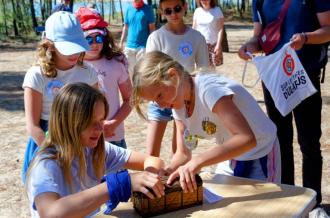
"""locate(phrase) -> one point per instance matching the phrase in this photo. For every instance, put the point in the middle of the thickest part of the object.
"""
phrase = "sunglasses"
(176, 9)
(98, 39)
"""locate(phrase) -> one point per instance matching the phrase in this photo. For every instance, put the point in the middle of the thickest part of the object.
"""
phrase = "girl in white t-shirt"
(112, 71)
(60, 61)
(208, 19)
(64, 179)
(209, 106)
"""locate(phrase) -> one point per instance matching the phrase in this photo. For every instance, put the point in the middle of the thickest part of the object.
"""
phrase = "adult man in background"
(139, 22)
(307, 25)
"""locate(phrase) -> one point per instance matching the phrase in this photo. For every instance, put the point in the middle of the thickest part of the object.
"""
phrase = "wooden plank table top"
(242, 198)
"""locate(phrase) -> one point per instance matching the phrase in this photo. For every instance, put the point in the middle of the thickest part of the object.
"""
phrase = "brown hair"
(213, 3)
(161, 1)
(71, 113)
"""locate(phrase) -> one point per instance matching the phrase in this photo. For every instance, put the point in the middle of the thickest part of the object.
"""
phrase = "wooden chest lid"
(175, 187)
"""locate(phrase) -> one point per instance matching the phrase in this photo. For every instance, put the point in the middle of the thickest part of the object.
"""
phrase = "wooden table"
(242, 198)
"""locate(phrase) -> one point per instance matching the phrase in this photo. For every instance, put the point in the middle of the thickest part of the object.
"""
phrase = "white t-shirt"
(47, 175)
(188, 49)
(111, 73)
(203, 123)
(206, 23)
(49, 87)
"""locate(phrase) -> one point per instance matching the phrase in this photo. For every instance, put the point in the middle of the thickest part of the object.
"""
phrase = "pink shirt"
(110, 74)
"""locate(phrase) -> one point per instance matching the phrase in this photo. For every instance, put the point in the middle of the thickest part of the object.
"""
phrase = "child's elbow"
(252, 141)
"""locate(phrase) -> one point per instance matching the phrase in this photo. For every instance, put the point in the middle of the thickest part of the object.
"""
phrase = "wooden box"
(174, 199)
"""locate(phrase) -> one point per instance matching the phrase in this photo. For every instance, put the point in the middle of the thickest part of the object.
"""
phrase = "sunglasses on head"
(176, 9)
(98, 39)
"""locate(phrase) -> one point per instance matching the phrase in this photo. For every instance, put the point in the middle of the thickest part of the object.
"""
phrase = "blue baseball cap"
(64, 30)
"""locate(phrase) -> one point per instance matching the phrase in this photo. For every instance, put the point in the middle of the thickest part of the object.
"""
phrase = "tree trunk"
(224, 42)
(4, 15)
(71, 5)
(33, 14)
(121, 12)
(102, 8)
(14, 18)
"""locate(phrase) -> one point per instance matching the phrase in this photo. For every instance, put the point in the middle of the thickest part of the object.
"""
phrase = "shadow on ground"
(11, 92)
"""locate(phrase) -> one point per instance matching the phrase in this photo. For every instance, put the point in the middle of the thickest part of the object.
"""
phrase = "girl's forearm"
(77, 205)
(233, 147)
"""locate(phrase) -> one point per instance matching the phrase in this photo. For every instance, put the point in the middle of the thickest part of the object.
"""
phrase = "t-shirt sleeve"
(34, 80)
(212, 90)
(126, 16)
(152, 45)
(151, 16)
(322, 5)
(196, 14)
(44, 177)
(202, 57)
(123, 75)
(218, 13)
(116, 157)
(255, 13)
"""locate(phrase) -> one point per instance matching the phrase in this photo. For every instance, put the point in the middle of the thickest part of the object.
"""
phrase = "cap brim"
(90, 32)
(70, 48)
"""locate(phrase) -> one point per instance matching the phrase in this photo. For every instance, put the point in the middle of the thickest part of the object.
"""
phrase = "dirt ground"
(16, 58)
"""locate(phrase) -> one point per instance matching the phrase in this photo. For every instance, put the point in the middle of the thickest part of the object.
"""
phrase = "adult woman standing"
(209, 20)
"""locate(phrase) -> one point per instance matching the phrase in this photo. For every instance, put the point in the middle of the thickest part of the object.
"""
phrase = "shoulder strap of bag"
(284, 10)
(281, 16)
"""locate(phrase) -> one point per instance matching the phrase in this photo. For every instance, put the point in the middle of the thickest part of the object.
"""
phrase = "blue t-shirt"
(47, 175)
(138, 21)
(301, 17)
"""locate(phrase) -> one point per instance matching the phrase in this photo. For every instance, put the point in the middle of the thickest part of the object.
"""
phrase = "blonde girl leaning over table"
(209, 106)
(60, 61)
(64, 178)
(112, 71)
(209, 21)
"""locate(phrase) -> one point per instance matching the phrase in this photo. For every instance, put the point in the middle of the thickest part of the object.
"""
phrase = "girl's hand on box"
(187, 174)
(146, 181)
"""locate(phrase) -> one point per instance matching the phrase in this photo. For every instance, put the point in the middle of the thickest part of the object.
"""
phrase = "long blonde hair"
(71, 113)
(45, 53)
(152, 70)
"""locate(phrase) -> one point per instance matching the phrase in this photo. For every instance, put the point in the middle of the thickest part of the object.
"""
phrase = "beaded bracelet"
(305, 37)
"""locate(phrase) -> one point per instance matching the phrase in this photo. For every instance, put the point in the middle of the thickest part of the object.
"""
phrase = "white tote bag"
(285, 78)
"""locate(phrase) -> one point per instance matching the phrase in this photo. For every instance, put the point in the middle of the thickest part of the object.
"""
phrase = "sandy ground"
(16, 58)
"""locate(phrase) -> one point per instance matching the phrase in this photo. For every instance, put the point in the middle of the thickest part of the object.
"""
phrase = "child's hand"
(154, 164)
(187, 174)
(109, 128)
(144, 180)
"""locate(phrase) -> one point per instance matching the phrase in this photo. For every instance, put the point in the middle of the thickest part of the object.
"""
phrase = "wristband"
(119, 188)
(305, 37)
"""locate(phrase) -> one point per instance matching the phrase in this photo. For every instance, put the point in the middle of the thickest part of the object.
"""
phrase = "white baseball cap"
(64, 30)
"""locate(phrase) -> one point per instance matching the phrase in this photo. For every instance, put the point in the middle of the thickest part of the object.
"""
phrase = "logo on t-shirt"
(185, 49)
(53, 87)
(209, 127)
(288, 64)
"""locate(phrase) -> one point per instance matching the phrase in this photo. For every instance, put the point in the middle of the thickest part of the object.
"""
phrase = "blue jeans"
(159, 114)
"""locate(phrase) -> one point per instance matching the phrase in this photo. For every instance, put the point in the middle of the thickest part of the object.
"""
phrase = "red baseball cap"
(90, 19)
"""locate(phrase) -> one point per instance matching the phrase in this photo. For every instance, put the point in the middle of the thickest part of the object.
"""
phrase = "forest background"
(18, 40)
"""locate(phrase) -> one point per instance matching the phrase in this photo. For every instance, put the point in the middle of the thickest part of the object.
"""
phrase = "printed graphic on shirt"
(191, 141)
(209, 127)
(53, 87)
(185, 49)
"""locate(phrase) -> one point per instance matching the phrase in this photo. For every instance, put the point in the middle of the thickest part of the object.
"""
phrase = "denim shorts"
(156, 113)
